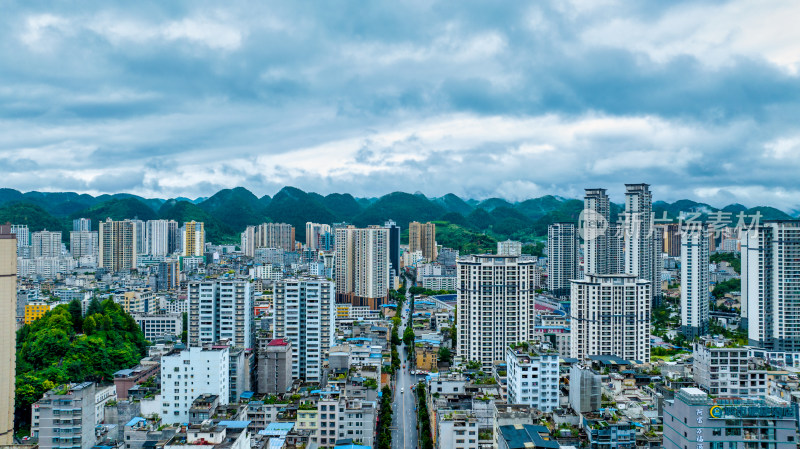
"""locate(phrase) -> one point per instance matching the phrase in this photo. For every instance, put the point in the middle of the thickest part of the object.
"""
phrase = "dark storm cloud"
(479, 98)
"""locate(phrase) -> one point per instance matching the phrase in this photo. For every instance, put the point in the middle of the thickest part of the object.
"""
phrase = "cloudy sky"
(513, 99)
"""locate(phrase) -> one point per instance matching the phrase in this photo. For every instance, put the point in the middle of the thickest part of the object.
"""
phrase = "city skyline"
(515, 101)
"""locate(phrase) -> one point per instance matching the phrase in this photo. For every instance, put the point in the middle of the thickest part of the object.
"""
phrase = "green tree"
(444, 354)
(94, 307)
(408, 336)
(76, 311)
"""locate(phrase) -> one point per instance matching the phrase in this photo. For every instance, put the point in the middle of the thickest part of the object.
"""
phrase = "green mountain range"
(464, 224)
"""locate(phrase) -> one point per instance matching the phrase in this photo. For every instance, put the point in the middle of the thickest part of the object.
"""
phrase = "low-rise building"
(188, 373)
(532, 376)
(159, 325)
(694, 419)
(720, 367)
(65, 417)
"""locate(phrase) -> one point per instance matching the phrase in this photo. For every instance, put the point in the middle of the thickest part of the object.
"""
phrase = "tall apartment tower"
(248, 241)
(394, 246)
(194, 238)
(117, 245)
(639, 253)
(610, 315)
(313, 233)
(672, 240)
(23, 235)
(771, 285)
(141, 236)
(616, 248)
(422, 237)
(496, 306)
(595, 232)
(694, 282)
(562, 257)
(221, 310)
(46, 244)
(82, 224)
(305, 314)
(275, 235)
(8, 334)
(83, 243)
(174, 244)
(362, 265)
(157, 237)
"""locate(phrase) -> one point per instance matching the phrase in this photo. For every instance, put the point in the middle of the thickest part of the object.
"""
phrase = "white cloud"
(715, 33)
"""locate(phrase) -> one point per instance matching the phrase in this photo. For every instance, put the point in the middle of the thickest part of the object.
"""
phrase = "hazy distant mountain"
(401, 207)
(296, 207)
(183, 211)
(117, 209)
(453, 203)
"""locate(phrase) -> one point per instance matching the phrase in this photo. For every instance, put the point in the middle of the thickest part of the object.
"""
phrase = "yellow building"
(426, 358)
(139, 301)
(422, 237)
(35, 311)
(194, 238)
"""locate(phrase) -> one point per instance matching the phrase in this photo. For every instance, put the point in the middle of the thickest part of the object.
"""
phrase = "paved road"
(404, 436)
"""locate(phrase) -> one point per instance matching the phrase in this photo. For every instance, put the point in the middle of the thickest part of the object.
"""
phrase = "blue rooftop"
(135, 421)
(235, 424)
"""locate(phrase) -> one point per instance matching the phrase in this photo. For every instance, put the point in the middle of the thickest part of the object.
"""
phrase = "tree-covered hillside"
(64, 346)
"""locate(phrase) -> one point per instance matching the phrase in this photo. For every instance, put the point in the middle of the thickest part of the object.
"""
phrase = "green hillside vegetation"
(293, 206)
(117, 209)
(63, 346)
(343, 205)
(183, 211)
(32, 215)
(236, 208)
(464, 240)
(401, 207)
(731, 258)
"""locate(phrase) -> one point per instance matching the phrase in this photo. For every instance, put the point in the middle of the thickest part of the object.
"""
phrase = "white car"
(402, 390)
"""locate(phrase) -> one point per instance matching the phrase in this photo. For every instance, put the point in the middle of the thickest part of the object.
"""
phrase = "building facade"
(610, 315)
(305, 316)
(640, 254)
(188, 373)
(275, 367)
(694, 282)
(362, 265)
(562, 257)
(194, 239)
(422, 237)
(509, 248)
(65, 417)
(46, 244)
(117, 245)
(771, 285)
(693, 419)
(8, 331)
(496, 306)
(221, 310)
(159, 325)
(532, 378)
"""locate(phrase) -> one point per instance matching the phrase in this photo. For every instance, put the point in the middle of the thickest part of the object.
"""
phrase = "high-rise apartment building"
(562, 257)
(248, 241)
(23, 235)
(8, 331)
(157, 237)
(532, 378)
(46, 244)
(362, 265)
(394, 246)
(174, 232)
(422, 237)
(275, 367)
(596, 235)
(82, 224)
(672, 239)
(305, 315)
(496, 306)
(313, 233)
(509, 248)
(610, 315)
(168, 275)
(117, 245)
(640, 256)
(694, 282)
(194, 238)
(188, 373)
(83, 243)
(771, 285)
(141, 236)
(274, 235)
(221, 310)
